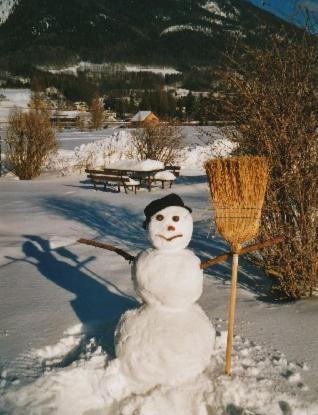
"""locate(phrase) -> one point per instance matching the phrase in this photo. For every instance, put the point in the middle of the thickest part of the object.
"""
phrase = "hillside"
(179, 33)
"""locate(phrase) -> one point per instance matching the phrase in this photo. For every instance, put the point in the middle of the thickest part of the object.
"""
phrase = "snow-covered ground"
(105, 67)
(105, 147)
(60, 301)
(69, 139)
(156, 70)
(12, 98)
(6, 7)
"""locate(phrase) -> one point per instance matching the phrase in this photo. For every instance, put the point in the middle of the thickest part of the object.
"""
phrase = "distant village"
(65, 114)
(72, 93)
(98, 113)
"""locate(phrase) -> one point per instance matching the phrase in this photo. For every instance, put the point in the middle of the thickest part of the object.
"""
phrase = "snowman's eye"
(159, 217)
(175, 218)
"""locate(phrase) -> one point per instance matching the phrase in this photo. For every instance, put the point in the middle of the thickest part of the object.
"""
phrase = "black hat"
(159, 204)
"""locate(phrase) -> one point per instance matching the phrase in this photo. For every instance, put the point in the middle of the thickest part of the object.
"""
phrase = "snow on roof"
(140, 116)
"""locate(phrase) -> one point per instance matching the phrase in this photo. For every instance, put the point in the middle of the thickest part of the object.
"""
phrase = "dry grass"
(237, 187)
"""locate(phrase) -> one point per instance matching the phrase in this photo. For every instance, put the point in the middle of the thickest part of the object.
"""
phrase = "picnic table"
(141, 170)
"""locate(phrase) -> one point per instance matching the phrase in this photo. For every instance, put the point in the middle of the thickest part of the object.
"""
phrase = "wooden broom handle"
(118, 251)
(230, 326)
(250, 248)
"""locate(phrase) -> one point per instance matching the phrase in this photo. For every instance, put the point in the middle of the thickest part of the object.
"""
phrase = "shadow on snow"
(250, 277)
(122, 227)
(97, 308)
(113, 223)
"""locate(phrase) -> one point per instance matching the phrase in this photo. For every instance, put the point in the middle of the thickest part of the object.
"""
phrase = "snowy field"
(10, 99)
(60, 301)
(104, 147)
(69, 139)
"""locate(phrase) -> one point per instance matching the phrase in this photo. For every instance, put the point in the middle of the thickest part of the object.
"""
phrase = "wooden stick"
(118, 251)
(250, 248)
(230, 327)
(204, 265)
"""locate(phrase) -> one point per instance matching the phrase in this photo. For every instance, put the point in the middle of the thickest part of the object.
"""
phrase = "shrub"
(30, 140)
(158, 142)
(273, 100)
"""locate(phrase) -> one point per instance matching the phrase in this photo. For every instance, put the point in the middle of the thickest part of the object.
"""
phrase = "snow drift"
(258, 385)
(119, 146)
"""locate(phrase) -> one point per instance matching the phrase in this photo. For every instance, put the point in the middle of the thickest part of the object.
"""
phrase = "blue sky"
(292, 10)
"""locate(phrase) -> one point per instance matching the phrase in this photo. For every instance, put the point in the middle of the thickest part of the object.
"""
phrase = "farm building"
(144, 117)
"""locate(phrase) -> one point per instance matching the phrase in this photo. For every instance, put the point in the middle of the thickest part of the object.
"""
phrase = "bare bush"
(30, 140)
(273, 99)
(158, 142)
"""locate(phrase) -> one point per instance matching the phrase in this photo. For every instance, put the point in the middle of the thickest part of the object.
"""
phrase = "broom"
(237, 186)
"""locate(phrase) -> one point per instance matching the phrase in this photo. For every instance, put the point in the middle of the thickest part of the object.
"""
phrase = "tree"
(204, 109)
(38, 103)
(272, 98)
(189, 104)
(30, 140)
(97, 112)
(158, 142)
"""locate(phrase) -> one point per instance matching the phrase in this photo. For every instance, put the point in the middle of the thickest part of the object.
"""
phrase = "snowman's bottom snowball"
(157, 345)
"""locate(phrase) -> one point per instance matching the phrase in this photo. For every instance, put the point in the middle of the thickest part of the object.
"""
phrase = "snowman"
(169, 339)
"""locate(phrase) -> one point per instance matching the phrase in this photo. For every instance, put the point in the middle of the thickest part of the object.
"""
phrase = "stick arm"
(204, 265)
(108, 247)
(247, 249)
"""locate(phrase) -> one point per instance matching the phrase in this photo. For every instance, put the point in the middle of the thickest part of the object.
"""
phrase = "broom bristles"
(238, 187)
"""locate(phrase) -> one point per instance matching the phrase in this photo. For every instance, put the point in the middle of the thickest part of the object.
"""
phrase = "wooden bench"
(174, 169)
(107, 177)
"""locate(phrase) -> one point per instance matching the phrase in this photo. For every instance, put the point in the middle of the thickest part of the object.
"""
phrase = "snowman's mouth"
(171, 238)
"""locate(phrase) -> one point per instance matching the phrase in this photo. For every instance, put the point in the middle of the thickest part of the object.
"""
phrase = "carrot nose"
(171, 228)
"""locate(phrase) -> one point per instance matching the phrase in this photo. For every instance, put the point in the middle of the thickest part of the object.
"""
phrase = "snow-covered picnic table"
(137, 165)
(144, 169)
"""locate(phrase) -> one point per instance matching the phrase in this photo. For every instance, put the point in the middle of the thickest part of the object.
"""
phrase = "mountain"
(6, 7)
(180, 33)
(303, 13)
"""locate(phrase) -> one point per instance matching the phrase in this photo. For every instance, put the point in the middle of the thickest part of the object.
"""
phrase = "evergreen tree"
(189, 104)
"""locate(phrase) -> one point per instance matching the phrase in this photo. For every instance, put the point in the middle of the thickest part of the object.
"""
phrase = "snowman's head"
(169, 223)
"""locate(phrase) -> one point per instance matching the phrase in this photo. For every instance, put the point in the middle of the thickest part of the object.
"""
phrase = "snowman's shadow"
(97, 308)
